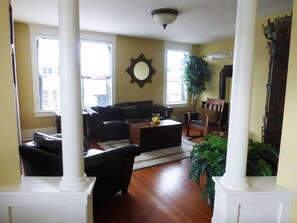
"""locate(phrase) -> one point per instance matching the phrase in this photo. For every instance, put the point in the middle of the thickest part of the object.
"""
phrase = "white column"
(74, 178)
(235, 175)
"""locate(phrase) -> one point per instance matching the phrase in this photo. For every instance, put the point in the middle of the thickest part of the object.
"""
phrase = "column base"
(234, 185)
(67, 185)
(264, 201)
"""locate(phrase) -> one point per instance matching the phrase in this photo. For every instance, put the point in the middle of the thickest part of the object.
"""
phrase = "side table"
(85, 121)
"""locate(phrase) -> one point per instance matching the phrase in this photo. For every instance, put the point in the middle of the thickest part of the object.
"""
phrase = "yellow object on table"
(155, 118)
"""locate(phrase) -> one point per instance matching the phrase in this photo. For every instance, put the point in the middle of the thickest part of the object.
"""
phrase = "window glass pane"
(96, 73)
(176, 90)
(48, 73)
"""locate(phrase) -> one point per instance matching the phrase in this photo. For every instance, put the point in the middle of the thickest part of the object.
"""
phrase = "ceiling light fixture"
(165, 16)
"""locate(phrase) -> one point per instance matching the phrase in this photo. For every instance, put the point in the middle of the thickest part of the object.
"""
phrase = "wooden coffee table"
(156, 136)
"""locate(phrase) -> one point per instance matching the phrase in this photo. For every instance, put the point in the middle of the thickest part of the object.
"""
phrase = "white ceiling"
(200, 21)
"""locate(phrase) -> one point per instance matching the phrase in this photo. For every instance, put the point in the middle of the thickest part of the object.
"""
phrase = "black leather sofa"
(112, 122)
(112, 168)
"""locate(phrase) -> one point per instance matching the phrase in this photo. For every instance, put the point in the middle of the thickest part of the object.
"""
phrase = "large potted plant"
(208, 159)
(196, 74)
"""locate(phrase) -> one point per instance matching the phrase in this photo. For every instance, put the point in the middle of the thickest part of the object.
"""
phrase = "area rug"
(154, 157)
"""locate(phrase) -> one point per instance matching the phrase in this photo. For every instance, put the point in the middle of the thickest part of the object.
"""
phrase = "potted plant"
(208, 159)
(196, 74)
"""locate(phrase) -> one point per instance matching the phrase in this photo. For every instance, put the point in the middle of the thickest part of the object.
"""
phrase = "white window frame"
(174, 46)
(53, 32)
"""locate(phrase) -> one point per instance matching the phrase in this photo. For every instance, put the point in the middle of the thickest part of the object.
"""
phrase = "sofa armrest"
(90, 111)
(38, 162)
(95, 123)
(112, 156)
(165, 111)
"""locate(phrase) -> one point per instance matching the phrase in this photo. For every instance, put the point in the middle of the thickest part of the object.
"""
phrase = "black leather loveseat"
(112, 168)
(112, 122)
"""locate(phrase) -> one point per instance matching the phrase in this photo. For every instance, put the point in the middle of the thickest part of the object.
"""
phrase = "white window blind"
(48, 73)
(96, 71)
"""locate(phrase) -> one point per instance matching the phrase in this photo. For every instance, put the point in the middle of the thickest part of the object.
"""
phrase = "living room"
(128, 47)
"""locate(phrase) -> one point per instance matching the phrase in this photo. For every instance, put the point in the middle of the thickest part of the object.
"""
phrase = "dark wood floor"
(160, 193)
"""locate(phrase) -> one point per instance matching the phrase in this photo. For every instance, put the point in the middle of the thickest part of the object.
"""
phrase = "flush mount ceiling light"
(165, 16)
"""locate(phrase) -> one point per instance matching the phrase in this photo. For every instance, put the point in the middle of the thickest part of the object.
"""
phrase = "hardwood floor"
(160, 193)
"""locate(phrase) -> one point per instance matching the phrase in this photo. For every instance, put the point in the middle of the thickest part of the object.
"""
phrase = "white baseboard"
(27, 134)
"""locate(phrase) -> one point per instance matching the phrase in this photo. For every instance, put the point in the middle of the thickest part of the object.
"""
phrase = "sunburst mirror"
(141, 70)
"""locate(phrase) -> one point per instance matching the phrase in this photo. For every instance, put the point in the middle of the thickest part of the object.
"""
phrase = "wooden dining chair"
(209, 118)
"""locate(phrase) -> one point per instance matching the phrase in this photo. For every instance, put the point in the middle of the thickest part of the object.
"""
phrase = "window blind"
(96, 72)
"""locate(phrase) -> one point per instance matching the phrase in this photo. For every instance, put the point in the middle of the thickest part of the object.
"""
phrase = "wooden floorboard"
(161, 193)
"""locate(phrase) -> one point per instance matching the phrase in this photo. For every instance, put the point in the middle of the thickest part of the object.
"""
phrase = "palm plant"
(208, 159)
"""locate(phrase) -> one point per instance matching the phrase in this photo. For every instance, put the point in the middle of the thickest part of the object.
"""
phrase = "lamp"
(165, 16)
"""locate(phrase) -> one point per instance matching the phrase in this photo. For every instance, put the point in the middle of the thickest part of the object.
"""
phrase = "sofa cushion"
(129, 112)
(132, 120)
(144, 103)
(114, 130)
(53, 143)
(146, 111)
(47, 142)
(86, 144)
(124, 104)
(109, 113)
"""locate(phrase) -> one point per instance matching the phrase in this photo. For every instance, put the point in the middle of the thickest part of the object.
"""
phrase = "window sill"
(39, 114)
(178, 105)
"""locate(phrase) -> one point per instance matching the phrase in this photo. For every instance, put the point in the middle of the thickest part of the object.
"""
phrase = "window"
(176, 92)
(48, 73)
(96, 73)
(96, 70)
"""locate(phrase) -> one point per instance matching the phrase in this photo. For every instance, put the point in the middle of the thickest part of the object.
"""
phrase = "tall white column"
(74, 178)
(235, 175)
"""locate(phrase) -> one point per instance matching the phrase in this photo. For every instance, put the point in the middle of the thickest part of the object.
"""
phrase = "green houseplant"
(196, 74)
(208, 159)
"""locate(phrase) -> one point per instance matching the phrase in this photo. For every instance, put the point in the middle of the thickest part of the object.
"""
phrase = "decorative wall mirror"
(141, 70)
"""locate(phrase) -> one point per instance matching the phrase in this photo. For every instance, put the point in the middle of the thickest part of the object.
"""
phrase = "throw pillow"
(109, 113)
(47, 142)
(130, 112)
(86, 144)
(146, 111)
(144, 103)
(53, 143)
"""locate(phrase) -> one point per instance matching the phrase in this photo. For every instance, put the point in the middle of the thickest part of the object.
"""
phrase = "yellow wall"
(9, 160)
(216, 66)
(260, 75)
(127, 48)
(288, 156)
(25, 81)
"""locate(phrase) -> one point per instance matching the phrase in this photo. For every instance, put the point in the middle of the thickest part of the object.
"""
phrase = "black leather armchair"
(112, 168)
